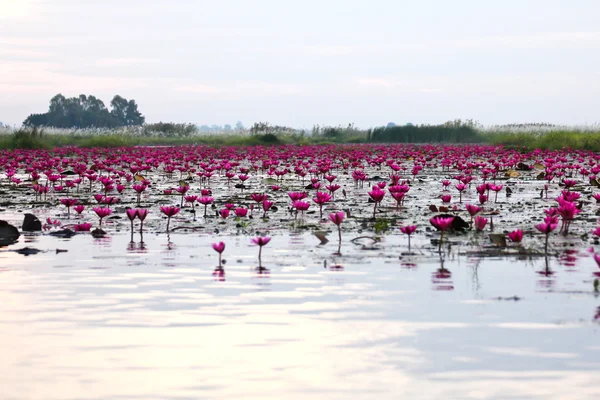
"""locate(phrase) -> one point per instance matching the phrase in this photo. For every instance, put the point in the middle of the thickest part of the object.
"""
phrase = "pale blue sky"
(307, 62)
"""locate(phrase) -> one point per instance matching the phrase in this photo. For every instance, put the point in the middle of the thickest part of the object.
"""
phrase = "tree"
(239, 126)
(86, 112)
(132, 115)
(119, 109)
(36, 120)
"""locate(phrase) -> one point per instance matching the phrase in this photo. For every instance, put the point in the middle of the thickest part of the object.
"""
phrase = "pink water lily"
(169, 211)
(480, 223)
(442, 224)
(408, 230)
(219, 248)
(68, 203)
(547, 227)
(82, 227)
(377, 196)
(337, 218)
(261, 241)
(516, 236)
(102, 212)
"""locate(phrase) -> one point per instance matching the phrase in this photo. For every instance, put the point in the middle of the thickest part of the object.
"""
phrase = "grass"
(522, 137)
(548, 139)
(32, 139)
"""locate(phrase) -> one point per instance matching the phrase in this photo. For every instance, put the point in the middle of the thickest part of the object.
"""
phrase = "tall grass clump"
(339, 134)
(25, 138)
(546, 137)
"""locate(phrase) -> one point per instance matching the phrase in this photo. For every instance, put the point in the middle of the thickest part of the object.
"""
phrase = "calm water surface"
(114, 320)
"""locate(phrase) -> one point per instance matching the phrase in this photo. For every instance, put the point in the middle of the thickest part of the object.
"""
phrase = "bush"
(170, 129)
(28, 139)
(268, 138)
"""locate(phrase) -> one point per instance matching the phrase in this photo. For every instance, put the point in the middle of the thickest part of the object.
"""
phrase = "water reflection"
(299, 326)
(546, 275)
(442, 277)
(219, 274)
(262, 272)
(568, 258)
(137, 247)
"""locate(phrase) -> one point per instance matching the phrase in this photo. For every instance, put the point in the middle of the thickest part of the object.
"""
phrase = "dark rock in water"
(63, 233)
(309, 186)
(458, 224)
(68, 173)
(98, 233)
(31, 223)
(523, 167)
(376, 178)
(8, 234)
(239, 186)
(27, 251)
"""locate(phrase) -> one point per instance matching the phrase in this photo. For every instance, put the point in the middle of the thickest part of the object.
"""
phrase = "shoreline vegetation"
(526, 136)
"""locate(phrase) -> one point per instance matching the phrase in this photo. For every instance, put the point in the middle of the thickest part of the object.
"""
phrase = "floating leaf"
(322, 236)
(541, 176)
(139, 178)
(498, 239)
(538, 166)
(183, 183)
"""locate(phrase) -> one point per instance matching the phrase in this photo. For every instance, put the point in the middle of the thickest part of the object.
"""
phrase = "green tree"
(86, 112)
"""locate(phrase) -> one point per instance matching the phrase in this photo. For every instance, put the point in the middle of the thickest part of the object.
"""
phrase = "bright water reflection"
(110, 319)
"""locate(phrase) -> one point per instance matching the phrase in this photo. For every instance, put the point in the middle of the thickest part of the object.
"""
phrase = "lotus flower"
(169, 211)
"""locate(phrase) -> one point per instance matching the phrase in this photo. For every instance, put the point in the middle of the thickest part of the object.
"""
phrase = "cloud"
(397, 84)
(18, 9)
(330, 50)
(378, 82)
(240, 89)
(125, 61)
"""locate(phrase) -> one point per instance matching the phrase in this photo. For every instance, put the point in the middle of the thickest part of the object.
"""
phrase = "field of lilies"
(501, 202)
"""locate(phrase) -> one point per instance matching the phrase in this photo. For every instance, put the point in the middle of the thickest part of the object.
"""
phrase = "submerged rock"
(27, 251)
(31, 223)
(8, 234)
(458, 224)
(63, 233)
(98, 233)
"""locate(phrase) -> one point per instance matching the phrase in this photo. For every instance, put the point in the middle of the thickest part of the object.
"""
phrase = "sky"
(301, 63)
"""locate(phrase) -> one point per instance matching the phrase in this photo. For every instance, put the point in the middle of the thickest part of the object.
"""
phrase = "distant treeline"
(456, 131)
(451, 132)
(87, 112)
